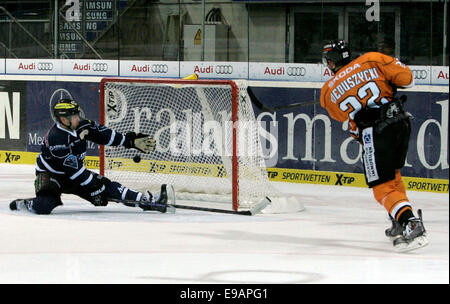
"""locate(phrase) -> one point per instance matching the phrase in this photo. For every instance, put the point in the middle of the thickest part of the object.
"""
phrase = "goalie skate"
(159, 202)
(20, 204)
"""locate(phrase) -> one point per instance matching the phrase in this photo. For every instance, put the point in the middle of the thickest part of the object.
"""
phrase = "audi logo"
(45, 66)
(100, 67)
(224, 69)
(419, 74)
(160, 68)
(296, 71)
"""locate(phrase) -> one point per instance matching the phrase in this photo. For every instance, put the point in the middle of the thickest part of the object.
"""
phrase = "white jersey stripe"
(113, 135)
(78, 173)
(48, 167)
(87, 181)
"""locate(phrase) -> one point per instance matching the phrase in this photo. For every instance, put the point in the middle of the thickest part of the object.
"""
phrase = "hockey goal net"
(208, 144)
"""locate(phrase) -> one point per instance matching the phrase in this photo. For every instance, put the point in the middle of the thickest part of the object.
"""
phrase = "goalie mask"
(338, 52)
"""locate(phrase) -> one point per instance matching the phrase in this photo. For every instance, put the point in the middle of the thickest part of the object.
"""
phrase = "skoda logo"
(296, 71)
(160, 68)
(224, 69)
(100, 67)
(45, 66)
(419, 74)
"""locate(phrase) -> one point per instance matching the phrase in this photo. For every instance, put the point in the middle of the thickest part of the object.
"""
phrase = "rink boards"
(306, 146)
(275, 174)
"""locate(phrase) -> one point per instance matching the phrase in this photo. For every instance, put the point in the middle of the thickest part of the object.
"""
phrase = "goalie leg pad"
(45, 184)
(44, 204)
(96, 192)
(120, 192)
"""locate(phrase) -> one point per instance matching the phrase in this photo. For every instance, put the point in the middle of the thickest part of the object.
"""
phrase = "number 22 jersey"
(368, 81)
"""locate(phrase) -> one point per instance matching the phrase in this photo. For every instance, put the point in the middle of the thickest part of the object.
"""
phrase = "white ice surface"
(339, 238)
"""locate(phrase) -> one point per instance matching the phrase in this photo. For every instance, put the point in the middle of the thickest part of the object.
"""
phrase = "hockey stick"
(129, 203)
(263, 107)
(256, 209)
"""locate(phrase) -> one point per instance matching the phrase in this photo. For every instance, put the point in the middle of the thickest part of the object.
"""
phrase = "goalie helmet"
(66, 107)
(338, 52)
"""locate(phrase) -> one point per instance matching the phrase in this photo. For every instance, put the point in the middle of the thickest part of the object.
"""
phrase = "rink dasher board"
(344, 179)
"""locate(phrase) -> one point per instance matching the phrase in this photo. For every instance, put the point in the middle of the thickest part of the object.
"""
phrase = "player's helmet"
(66, 107)
(338, 52)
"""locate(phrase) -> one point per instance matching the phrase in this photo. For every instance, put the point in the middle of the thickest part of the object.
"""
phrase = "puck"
(136, 158)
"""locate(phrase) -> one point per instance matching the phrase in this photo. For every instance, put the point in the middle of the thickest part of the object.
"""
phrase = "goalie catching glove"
(141, 142)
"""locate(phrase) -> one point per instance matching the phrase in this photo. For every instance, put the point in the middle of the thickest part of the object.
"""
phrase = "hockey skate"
(159, 201)
(395, 231)
(20, 204)
(414, 235)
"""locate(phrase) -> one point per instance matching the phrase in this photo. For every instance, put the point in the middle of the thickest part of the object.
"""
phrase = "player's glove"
(141, 142)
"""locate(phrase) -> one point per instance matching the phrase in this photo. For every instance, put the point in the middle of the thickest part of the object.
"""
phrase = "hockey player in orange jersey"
(362, 91)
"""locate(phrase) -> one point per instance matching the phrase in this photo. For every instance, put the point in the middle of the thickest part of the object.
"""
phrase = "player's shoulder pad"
(57, 142)
(87, 123)
(377, 57)
(56, 136)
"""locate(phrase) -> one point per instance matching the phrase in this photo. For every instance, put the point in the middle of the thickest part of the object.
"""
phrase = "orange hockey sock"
(392, 196)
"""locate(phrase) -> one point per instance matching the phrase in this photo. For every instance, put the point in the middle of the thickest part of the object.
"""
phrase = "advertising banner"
(286, 71)
(307, 138)
(266, 71)
(439, 75)
(2, 66)
(34, 66)
(163, 69)
(301, 144)
(13, 115)
(430, 75)
(90, 67)
(41, 95)
(215, 70)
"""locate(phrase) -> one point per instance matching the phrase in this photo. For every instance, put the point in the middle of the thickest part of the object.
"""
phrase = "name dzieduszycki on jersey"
(362, 92)
(60, 168)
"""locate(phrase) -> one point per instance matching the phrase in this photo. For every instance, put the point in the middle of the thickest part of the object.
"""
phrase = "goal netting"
(208, 141)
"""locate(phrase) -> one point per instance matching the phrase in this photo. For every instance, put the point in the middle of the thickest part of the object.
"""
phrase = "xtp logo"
(114, 164)
(272, 174)
(341, 179)
(157, 167)
(11, 157)
(112, 106)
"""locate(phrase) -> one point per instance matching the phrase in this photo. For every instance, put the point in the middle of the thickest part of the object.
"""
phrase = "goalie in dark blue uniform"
(60, 168)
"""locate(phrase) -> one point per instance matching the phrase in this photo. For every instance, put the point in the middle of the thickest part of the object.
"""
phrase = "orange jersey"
(365, 82)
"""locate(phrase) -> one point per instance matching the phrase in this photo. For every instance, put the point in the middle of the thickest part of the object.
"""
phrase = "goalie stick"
(171, 208)
(130, 203)
(256, 209)
(263, 107)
